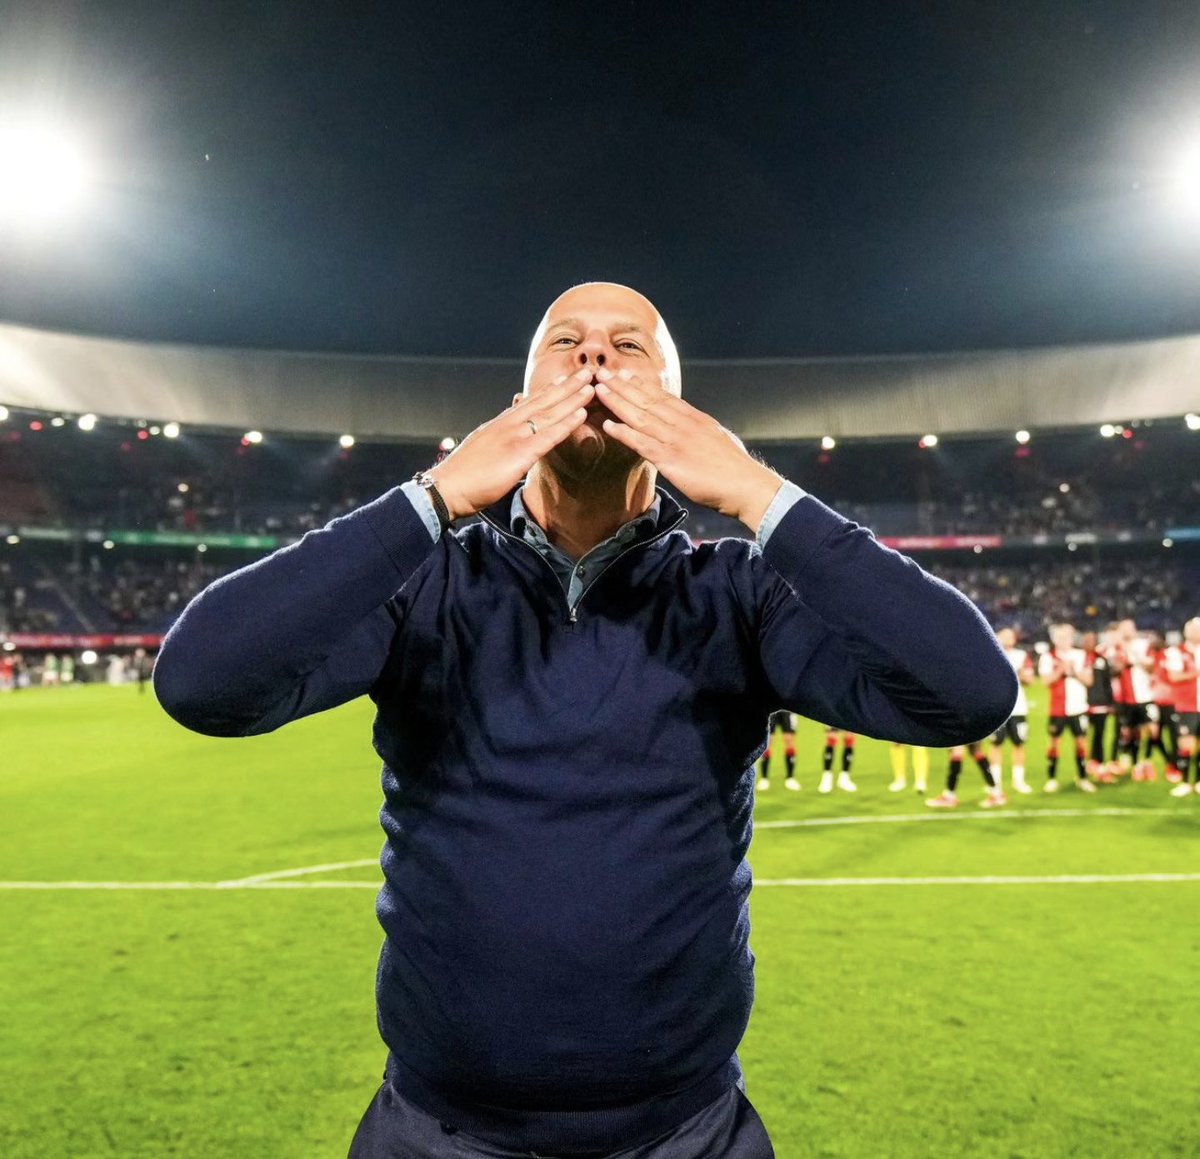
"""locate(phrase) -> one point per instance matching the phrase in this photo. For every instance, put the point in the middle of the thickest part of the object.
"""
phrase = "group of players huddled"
(1116, 699)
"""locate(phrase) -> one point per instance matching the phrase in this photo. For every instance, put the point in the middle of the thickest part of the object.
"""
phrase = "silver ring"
(532, 425)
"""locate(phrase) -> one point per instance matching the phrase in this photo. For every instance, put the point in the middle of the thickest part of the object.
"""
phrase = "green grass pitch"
(1006, 1020)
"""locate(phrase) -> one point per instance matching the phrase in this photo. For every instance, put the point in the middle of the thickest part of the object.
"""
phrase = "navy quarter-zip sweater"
(567, 803)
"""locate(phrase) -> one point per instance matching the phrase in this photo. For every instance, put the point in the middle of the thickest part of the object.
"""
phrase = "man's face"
(1007, 638)
(1127, 630)
(1191, 631)
(1063, 637)
(599, 326)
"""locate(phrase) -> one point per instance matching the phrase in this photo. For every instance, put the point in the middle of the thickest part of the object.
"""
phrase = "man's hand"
(496, 456)
(691, 450)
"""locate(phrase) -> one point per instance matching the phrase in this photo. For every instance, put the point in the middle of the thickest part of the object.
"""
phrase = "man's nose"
(593, 351)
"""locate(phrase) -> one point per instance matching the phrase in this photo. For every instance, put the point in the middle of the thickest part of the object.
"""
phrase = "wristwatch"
(425, 479)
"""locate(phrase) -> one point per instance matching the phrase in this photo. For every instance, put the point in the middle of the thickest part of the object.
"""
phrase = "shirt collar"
(524, 524)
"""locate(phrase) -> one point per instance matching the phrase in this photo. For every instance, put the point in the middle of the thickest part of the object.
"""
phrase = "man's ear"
(517, 398)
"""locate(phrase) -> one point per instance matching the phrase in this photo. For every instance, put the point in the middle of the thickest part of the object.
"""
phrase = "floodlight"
(1185, 180)
(58, 421)
(12, 540)
(928, 441)
(346, 442)
(1022, 437)
(1168, 542)
(253, 436)
(170, 430)
(156, 430)
(87, 656)
(108, 545)
(1107, 431)
(828, 442)
(1192, 420)
(3, 413)
(87, 422)
(448, 443)
(43, 173)
(202, 547)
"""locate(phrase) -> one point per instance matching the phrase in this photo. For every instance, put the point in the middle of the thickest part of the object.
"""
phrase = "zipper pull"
(574, 616)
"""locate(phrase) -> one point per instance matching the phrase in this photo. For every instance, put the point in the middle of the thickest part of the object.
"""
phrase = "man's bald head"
(607, 324)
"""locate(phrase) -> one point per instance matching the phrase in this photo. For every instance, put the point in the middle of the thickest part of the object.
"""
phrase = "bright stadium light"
(108, 545)
(346, 442)
(88, 656)
(253, 437)
(44, 174)
(170, 430)
(1192, 420)
(3, 413)
(1185, 181)
(1022, 437)
(87, 422)
(58, 421)
(1107, 431)
(12, 540)
(448, 443)
(828, 442)
(928, 441)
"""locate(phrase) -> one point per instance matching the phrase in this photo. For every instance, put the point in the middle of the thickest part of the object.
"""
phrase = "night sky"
(782, 179)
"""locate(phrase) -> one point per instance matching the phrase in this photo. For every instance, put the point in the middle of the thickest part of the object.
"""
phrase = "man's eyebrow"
(628, 327)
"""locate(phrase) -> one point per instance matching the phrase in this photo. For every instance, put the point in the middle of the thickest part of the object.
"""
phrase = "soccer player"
(570, 696)
(1163, 733)
(949, 797)
(1135, 704)
(1016, 728)
(1065, 671)
(785, 722)
(844, 780)
(1100, 706)
(1182, 664)
(920, 766)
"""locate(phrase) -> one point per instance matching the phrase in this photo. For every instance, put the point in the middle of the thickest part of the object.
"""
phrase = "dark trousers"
(393, 1128)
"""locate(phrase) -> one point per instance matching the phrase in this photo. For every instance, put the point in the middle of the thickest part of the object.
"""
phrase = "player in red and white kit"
(1065, 671)
(1135, 703)
(1182, 667)
(1016, 729)
(1163, 734)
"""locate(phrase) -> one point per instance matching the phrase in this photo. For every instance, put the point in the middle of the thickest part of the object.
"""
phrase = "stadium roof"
(405, 398)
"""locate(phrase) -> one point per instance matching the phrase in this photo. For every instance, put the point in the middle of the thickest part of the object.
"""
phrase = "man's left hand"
(691, 450)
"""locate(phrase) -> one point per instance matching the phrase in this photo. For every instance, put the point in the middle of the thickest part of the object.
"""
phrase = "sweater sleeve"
(859, 637)
(307, 628)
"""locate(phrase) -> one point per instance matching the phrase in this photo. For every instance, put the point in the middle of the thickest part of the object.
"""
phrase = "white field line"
(796, 882)
(284, 878)
(954, 815)
(279, 874)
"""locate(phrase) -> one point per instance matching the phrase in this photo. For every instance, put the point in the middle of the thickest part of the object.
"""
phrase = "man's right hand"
(496, 456)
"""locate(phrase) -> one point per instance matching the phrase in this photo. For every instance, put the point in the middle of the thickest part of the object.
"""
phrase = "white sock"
(1018, 774)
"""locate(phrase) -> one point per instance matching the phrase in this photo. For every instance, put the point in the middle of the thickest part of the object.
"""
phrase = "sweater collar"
(500, 513)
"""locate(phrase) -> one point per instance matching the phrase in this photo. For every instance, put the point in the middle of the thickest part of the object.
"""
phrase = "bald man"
(571, 698)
